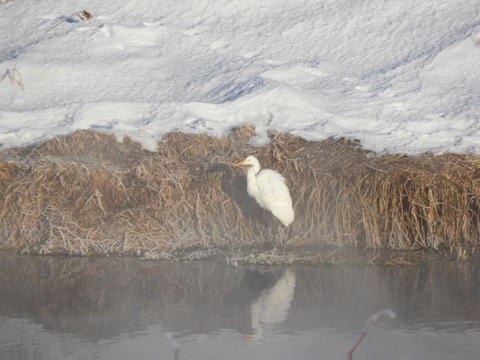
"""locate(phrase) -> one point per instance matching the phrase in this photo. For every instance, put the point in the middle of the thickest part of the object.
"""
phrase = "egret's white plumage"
(269, 190)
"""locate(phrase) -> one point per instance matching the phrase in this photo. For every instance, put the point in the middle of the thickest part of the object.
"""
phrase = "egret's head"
(250, 161)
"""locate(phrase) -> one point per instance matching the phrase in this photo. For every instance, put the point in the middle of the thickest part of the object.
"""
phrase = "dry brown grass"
(89, 194)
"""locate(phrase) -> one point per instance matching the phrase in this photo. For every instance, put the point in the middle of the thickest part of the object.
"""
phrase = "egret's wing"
(275, 195)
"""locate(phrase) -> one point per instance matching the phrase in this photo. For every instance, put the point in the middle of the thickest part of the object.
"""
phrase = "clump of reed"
(88, 193)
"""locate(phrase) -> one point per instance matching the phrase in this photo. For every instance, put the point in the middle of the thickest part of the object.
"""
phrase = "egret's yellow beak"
(240, 163)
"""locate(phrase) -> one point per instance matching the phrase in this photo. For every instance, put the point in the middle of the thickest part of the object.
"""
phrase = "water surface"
(125, 308)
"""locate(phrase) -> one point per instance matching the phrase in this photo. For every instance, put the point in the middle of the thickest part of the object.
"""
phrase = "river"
(126, 308)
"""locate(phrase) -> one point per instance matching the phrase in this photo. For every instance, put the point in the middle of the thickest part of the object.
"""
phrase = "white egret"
(269, 190)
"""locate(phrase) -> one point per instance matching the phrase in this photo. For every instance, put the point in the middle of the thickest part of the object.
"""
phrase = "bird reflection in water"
(271, 307)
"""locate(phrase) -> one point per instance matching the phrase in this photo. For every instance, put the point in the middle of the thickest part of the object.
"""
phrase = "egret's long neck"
(252, 180)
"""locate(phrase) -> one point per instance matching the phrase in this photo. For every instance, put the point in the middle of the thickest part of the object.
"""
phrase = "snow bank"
(400, 77)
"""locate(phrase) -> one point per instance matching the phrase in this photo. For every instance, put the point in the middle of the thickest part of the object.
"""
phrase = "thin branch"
(176, 346)
(370, 320)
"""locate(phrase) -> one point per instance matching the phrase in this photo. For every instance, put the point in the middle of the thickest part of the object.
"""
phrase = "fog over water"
(124, 308)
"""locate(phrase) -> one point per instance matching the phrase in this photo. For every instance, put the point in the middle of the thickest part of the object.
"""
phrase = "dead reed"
(82, 15)
(14, 76)
(87, 194)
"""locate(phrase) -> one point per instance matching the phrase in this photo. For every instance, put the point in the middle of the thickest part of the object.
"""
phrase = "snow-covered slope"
(400, 76)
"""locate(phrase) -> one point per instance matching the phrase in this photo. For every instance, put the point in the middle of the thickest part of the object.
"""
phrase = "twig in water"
(81, 15)
(370, 320)
(175, 344)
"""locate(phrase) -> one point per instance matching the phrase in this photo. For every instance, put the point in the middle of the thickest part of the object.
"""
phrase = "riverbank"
(89, 193)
